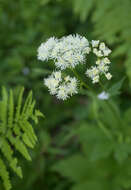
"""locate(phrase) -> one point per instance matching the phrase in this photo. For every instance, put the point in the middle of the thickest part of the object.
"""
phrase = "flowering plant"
(100, 128)
(67, 52)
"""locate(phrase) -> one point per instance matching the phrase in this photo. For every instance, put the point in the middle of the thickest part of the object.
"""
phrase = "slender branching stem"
(102, 127)
(81, 80)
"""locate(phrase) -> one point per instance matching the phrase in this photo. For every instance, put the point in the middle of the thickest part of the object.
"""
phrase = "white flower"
(52, 84)
(97, 52)
(70, 51)
(102, 46)
(57, 75)
(62, 92)
(53, 90)
(106, 60)
(108, 76)
(72, 86)
(67, 52)
(62, 87)
(87, 50)
(79, 57)
(107, 51)
(103, 95)
(103, 67)
(68, 78)
(102, 62)
(61, 63)
(44, 51)
(95, 43)
(95, 79)
(93, 73)
(98, 62)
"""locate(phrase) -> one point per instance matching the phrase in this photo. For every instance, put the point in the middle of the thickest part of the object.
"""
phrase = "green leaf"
(122, 151)
(70, 167)
(101, 150)
(115, 88)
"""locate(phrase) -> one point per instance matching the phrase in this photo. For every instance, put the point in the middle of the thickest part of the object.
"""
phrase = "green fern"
(16, 132)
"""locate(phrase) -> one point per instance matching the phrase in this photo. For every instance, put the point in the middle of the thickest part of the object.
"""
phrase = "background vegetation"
(73, 151)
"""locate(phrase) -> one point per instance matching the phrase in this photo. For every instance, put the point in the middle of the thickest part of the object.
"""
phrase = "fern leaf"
(3, 115)
(28, 102)
(22, 149)
(19, 145)
(29, 110)
(15, 131)
(8, 153)
(27, 128)
(4, 175)
(27, 141)
(11, 109)
(18, 108)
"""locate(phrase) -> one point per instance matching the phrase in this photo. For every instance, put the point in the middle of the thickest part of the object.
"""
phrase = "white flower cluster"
(62, 87)
(67, 52)
(102, 63)
(45, 49)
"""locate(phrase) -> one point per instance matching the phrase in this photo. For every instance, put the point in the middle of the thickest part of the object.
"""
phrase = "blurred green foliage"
(16, 132)
(83, 143)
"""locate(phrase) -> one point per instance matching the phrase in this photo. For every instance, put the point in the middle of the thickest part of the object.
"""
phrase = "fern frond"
(16, 132)
(18, 108)
(8, 153)
(19, 145)
(4, 174)
(27, 128)
(11, 109)
(3, 115)
(27, 103)
(29, 110)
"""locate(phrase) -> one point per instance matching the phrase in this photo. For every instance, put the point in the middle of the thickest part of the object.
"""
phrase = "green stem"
(104, 129)
(112, 108)
(79, 78)
(109, 105)
(100, 124)
(102, 86)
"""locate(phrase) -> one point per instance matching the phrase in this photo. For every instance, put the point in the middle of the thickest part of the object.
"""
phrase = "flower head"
(93, 73)
(45, 49)
(102, 63)
(62, 87)
(67, 52)
(62, 92)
